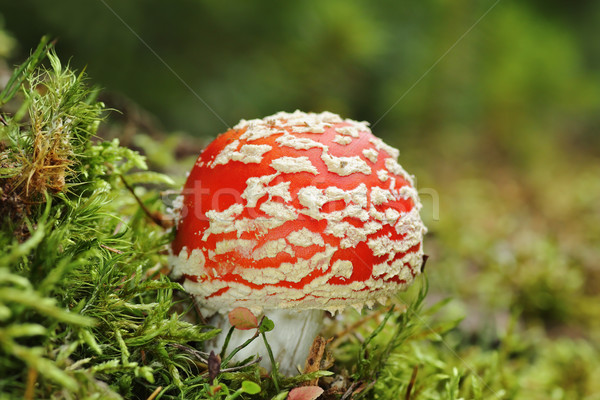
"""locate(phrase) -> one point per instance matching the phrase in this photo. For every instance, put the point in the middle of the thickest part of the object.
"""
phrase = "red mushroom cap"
(305, 211)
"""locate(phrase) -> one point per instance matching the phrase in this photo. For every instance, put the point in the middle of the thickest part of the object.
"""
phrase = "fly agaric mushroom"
(292, 215)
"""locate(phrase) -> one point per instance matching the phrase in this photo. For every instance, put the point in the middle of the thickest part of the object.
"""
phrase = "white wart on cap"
(297, 210)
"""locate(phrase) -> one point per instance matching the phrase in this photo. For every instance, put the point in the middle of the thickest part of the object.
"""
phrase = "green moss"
(82, 311)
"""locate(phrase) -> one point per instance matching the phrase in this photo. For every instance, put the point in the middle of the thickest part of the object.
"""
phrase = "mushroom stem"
(290, 341)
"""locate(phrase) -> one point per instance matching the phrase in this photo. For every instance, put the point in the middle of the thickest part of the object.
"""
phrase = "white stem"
(290, 341)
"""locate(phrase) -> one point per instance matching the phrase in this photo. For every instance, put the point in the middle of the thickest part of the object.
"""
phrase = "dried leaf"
(214, 366)
(315, 356)
(305, 393)
(243, 319)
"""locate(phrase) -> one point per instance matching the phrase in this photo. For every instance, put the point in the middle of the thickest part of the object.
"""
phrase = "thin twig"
(411, 384)
(200, 355)
(339, 336)
(152, 215)
(237, 367)
(32, 375)
(111, 249)
(155, 393)
(349, 391)
(199, 312)
(368, 387)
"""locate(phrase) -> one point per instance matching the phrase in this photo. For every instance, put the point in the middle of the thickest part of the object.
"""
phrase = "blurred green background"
(499, 120)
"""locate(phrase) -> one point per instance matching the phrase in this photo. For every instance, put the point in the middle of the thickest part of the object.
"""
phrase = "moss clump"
(83, 311)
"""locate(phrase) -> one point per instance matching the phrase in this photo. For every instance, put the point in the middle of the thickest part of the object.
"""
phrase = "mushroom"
(294, 215)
